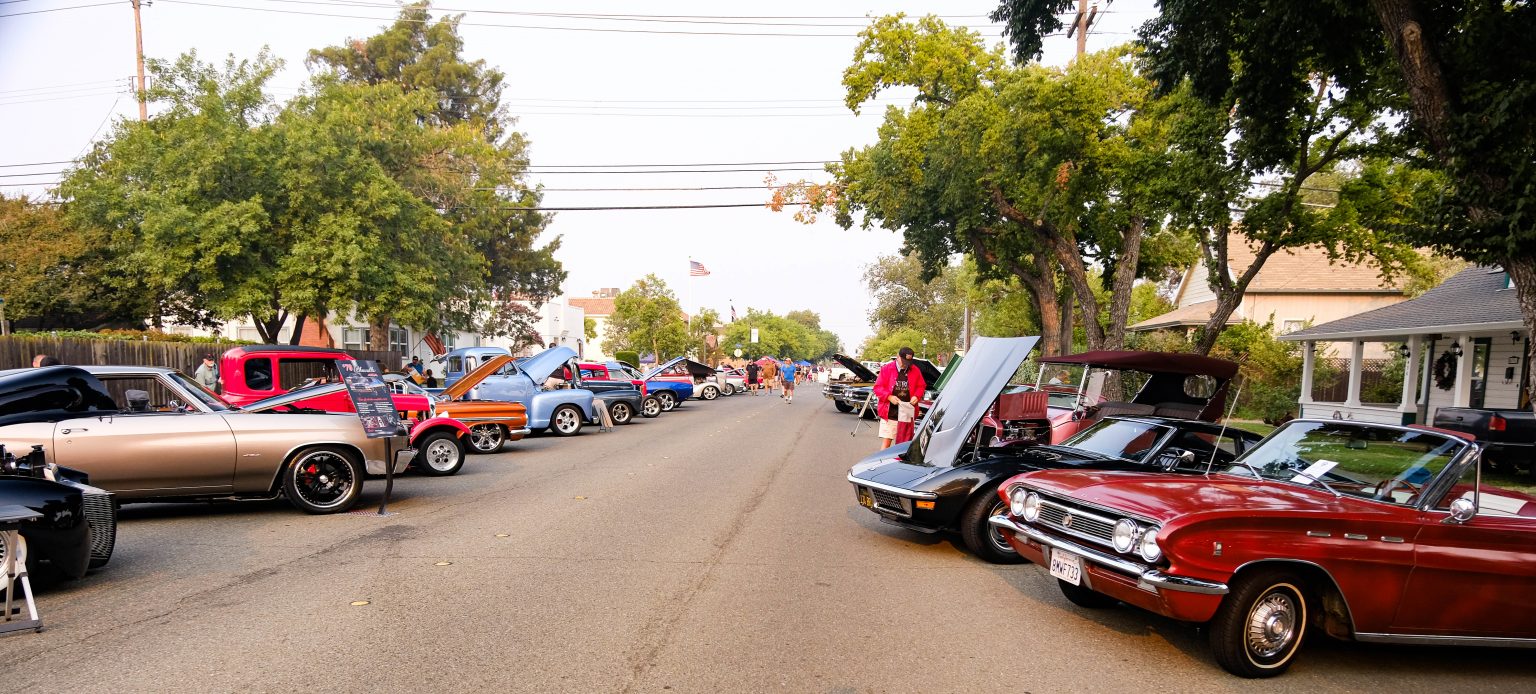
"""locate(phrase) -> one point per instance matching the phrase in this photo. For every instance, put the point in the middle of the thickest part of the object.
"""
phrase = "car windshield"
(203, 395)
(1119, 438)
(1374, 462)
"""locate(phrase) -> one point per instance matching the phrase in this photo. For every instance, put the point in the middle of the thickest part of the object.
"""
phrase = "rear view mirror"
(1355, 444)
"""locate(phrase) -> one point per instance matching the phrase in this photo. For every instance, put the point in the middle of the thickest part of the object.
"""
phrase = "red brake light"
(1496, 423)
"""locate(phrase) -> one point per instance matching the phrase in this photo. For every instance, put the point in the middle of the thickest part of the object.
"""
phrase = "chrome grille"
(1077, 522)
(102, 515)
(891, 502)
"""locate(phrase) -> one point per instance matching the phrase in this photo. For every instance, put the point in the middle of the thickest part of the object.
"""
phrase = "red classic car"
(257, 372)
(1371, 532)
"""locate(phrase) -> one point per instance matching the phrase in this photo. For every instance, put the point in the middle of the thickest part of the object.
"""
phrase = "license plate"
(1067, 567)
(865, 499)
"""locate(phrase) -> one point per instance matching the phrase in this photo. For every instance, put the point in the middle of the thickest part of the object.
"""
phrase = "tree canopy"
(647, 319)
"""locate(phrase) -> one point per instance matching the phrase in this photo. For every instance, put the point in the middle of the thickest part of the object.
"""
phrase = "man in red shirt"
(898, 383)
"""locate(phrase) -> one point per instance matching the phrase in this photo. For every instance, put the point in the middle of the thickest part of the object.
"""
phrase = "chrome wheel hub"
(1272, 625)
(442, 455)
(485, 438)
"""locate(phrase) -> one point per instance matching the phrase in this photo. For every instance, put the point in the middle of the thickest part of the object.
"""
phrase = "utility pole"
(1080, 24)
(138, 42)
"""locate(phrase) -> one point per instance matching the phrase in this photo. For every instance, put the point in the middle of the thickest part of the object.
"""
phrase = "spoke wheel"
(487, 438)
(566, 421)
(323, 480)
(622, 413)
(668, 400)
(650, 407)
(1259, 627)
(439, 454)
(709, 393)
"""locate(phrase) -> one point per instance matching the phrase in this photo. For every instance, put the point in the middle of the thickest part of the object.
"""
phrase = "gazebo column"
(1409, 406)
(1462, 391)
(1356, 360)
(1308, 362)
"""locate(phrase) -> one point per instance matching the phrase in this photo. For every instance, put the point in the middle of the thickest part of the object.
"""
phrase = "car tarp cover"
(1150, 362)
(970, 390)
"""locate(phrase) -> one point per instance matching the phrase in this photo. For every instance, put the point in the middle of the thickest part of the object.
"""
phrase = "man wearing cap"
(207, 374)
(897, 384)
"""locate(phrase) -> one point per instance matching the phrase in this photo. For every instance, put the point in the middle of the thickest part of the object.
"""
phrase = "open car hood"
(541, 365)
(473, 378)
(931, 373)
(695, 369)
(860, 371)
(293, 396)
(971, 389)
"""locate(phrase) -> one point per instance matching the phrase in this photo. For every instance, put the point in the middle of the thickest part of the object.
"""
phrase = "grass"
(1252, 425)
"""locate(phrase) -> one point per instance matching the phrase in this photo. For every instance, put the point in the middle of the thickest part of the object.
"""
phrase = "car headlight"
(1149, 549)
(1016, 501)
(1125, 535)
(1031, 510)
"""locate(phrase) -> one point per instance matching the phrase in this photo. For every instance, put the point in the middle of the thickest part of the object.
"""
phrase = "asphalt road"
(716, 548)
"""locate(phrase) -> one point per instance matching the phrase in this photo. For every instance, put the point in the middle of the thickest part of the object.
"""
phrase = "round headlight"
(1149, 549)
(1016, 501)
(1031, 507)
(1125, 535)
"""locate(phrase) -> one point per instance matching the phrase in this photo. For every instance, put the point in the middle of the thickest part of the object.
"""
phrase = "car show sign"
(371, 396)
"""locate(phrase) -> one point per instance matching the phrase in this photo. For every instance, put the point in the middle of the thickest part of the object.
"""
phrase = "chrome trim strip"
(894, 490)
(1151, 577)
(1389, 538)
(1318, 533)
(1356, 536)
(1494, 641)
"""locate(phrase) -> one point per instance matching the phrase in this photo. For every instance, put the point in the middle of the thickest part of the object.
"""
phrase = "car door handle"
(66, 431)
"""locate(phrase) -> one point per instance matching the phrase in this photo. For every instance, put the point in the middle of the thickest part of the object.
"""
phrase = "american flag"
(696, 269)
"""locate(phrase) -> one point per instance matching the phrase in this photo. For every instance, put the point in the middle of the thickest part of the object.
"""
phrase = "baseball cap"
(906, 352)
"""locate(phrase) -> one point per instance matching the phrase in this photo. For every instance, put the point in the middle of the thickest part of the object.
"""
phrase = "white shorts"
(887, 428)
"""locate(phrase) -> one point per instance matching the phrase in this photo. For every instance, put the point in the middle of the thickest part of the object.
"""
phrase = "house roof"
(1191, 316)
(1473, 299)
(1305, 270)
(602, 306)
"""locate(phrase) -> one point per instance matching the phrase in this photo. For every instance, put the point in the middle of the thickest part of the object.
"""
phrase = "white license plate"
(1067, 567)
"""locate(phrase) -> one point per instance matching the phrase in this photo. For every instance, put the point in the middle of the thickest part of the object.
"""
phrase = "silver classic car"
(153, 434)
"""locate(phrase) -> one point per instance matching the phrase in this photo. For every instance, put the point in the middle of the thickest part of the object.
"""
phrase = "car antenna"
(1216, 445)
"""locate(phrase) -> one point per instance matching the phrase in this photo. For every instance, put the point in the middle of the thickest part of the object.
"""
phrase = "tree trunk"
(1427, 91)
(378, 333)
(1124, 283)
(1064, 323)
(1041, 287)
(1229, 295)
(1522, 273)
(298, 329)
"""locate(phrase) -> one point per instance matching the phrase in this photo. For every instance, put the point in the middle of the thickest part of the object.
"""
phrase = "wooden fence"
(17, 352)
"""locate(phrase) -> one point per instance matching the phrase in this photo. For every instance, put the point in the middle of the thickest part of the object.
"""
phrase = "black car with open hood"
(837, 391)
(946, 479)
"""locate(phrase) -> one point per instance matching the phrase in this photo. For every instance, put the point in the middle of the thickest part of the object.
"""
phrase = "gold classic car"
(154, 434)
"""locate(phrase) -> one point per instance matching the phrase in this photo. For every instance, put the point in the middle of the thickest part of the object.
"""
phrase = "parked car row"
(284, 426)
(1370, 532)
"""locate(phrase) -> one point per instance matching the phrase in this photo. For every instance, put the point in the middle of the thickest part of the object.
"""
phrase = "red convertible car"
(1372, 532)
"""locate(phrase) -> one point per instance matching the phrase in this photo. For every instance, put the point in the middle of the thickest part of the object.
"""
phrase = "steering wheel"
(1390, 485)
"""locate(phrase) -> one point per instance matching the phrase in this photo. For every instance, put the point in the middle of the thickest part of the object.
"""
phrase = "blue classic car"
(562, 411)
(451, 367)
(670, 393)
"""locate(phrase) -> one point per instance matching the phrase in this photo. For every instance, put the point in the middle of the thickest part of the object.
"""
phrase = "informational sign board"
(370, 395)
(754, 336)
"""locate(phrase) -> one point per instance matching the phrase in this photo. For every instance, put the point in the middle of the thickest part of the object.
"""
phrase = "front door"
(151, 453)
(1480, 349)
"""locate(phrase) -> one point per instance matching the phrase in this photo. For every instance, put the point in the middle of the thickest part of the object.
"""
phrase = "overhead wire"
(58, 9)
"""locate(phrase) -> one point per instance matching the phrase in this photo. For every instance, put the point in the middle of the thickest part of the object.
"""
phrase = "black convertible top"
(51, 394)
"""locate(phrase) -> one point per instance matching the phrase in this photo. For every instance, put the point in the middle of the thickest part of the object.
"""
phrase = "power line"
(56, 9)
(96, 84)
(38, 163)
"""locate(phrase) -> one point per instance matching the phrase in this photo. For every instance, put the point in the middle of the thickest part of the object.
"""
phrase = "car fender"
(427, 425)
(543, 404)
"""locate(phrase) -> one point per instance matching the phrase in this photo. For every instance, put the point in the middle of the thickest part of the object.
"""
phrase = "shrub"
(129, 335)
(628, 357)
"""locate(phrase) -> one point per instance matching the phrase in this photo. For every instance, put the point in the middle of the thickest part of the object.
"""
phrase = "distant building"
(1297, 287)
(598, 307)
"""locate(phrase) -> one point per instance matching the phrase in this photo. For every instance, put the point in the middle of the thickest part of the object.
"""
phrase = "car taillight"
(1496, 423)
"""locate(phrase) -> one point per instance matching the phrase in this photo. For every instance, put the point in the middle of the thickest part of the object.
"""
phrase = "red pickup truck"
(256, 372)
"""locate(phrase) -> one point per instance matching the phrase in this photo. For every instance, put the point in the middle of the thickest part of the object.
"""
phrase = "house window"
(354, 339)
(1291, 326)
(451, 341)
(399, 339)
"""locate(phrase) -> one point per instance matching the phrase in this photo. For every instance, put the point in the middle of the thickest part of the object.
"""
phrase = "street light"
(1456, 349)
(925, 348)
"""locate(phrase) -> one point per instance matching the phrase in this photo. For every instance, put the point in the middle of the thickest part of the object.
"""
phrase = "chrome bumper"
(525, 431)
(894, 490)
(1150, 579)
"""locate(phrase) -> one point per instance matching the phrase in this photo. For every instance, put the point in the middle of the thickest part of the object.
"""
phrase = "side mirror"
(1187, 458)
(1462, 510)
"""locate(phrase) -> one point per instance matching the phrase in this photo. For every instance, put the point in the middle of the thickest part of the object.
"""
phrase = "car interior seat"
(137, 400)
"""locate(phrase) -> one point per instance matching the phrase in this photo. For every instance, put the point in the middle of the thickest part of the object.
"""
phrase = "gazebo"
(1464, 344)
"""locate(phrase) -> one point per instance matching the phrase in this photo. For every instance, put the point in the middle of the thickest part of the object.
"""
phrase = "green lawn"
(1252, 425)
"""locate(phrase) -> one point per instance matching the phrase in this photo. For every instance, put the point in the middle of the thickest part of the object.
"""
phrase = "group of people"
(419, 374)
(770, 375)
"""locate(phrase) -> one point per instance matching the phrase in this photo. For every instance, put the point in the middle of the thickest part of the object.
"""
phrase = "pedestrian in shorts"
(899, 383)
(789, 381)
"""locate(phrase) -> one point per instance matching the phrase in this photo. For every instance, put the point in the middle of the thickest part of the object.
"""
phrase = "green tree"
(905, 297)
(57, 274)
(703, 329)
(647, 318)
(883, 345)
(589, 328)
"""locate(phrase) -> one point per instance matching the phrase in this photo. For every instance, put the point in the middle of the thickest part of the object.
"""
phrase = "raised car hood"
(695, 369)
(1164, 497)
(966, 397)
(860, 371)
(931, 373)
(541, 365)
(473, 378)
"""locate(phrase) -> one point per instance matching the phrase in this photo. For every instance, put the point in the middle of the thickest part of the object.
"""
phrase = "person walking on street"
(753, 371)
(207, 374)
(770, 373)
(898, 390)
(789, 381)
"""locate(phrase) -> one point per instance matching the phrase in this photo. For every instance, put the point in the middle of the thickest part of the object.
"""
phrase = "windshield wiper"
(1303, 473)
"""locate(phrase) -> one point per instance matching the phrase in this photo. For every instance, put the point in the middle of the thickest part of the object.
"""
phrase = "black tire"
(842, 406)
(323, 479)
(1273, 605)
(979, 536)
(440, 454)
(668, 400)
(487, 438)
(709, 393)
(727, 390)
(1085, 597)
(622, 412)
(650, 407)
(566, 420)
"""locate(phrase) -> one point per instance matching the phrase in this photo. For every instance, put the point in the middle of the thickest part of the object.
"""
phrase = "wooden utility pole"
(138, 44)
(1080, 24)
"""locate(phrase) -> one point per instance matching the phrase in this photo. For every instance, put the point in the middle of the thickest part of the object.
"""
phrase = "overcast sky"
(589, 92)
